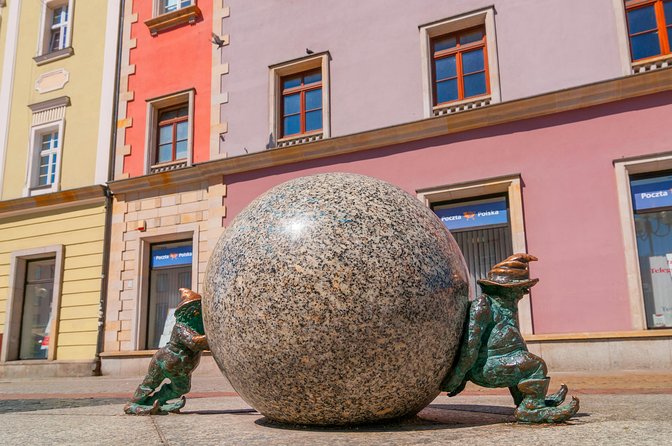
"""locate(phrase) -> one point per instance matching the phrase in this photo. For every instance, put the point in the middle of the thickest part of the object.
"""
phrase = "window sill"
(652, 63)
(459, 106)
(300, 139)
(41, 190)
(165, 21)
(53, 56)
(165, 167)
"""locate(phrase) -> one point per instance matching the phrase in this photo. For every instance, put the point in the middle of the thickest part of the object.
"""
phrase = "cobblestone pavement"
(625, 408)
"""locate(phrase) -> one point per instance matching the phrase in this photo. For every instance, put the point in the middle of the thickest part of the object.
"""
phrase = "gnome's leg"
(151, 381)
(533, 408)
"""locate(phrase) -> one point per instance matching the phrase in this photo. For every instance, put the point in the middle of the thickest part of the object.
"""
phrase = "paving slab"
(88, 411)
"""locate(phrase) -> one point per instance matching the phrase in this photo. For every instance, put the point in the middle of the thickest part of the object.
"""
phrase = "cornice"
(576, 98)
(56, 200)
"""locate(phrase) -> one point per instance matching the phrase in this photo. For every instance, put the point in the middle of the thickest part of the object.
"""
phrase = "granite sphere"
(335, 299)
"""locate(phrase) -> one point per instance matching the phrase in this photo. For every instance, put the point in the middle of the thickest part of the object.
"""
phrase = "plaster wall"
(84, 67)
(376, 65)
(81, 231)
(176, 59)
(569, 196)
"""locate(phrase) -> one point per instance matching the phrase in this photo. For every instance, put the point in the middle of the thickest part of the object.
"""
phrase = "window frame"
(428, 32)
(279, 71)
(173, 123)
(15, 300)
(302, 89)
(143, 246)
(155, 106)
(625, 169)
(511, 187)
(32, 186)
(458, 51)
(159, 8)
(44, 52)
(661, 28)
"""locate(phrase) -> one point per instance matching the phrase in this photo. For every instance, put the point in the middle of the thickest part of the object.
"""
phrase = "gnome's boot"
(534, 409)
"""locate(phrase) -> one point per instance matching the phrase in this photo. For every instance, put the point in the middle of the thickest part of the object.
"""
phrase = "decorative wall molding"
(57, 200)
(219, 97)
(52, 80)
(577, 98)
(126, 69)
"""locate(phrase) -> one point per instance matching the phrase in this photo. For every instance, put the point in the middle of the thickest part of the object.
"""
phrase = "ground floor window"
(36, 312)
(170, 270)
(652, 206)
(482, 230)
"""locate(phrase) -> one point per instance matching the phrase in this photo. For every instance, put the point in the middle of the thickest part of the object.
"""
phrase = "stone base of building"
(47, 369)
(608, 352)
(136, 363)
(603, 353)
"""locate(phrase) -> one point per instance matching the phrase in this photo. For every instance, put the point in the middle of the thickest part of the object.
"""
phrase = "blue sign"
(176, 256)
(474, 215)
(651, 193)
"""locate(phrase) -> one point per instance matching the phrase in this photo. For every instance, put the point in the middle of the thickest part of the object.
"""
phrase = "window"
(170, 14)
(34, 292)
(302, 103)
(45, 152)
(56, 33)
(489, 237)
(481, 229)
(460, 69)
(299, 103)
(48, 157)
(36, 313)
(166, 6)
(172, 134)
(649, 27)
(459, 66)
(59, 28)
(652, 208)
(170, 131)
(170, 270)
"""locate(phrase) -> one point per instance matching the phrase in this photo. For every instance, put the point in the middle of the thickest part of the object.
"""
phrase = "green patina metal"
(174, 362)
(494, 354)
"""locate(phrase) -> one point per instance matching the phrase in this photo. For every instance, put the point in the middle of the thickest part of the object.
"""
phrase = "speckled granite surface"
(335, 299)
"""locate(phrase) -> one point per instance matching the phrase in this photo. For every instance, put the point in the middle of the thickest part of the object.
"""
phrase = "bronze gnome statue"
(494, 354)
(174, 362)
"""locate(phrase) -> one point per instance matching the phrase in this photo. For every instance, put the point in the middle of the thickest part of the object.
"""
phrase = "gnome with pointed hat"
(494, 354)
(174, 362)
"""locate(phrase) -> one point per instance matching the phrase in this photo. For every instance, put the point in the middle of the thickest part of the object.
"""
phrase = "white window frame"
(159, 8)
(624, 169)
(17, 276)
(46, 28)
(154, 108)
(276, 73)
(510, 185)
(429, 31)
(32, 184)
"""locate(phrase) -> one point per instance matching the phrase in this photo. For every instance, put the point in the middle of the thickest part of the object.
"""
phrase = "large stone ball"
(335, 299)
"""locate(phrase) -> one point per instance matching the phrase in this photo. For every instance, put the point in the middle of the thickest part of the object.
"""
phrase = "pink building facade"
(525, 126)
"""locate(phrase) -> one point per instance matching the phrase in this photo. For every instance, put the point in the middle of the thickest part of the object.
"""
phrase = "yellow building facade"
(57, 83)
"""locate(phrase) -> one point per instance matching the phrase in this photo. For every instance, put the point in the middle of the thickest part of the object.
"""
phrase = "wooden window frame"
(275, 122)
(458, 51)
(155, 106)
(173, 123)
(302, 89)
(44, 52)
(661, 27)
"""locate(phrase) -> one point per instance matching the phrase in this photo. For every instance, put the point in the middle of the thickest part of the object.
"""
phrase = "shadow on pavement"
(433, 417)
(31, 405)
(220, 412)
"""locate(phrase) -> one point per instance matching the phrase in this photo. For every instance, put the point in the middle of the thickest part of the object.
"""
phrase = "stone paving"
(627, 408)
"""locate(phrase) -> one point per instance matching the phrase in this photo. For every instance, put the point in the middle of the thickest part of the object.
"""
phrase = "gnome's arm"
(480, 316)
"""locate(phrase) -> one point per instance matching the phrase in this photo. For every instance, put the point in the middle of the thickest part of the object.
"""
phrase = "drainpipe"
(105, 273)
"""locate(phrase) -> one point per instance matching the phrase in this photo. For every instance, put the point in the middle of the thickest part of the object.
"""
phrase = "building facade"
(524, 125)
(56, 100)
